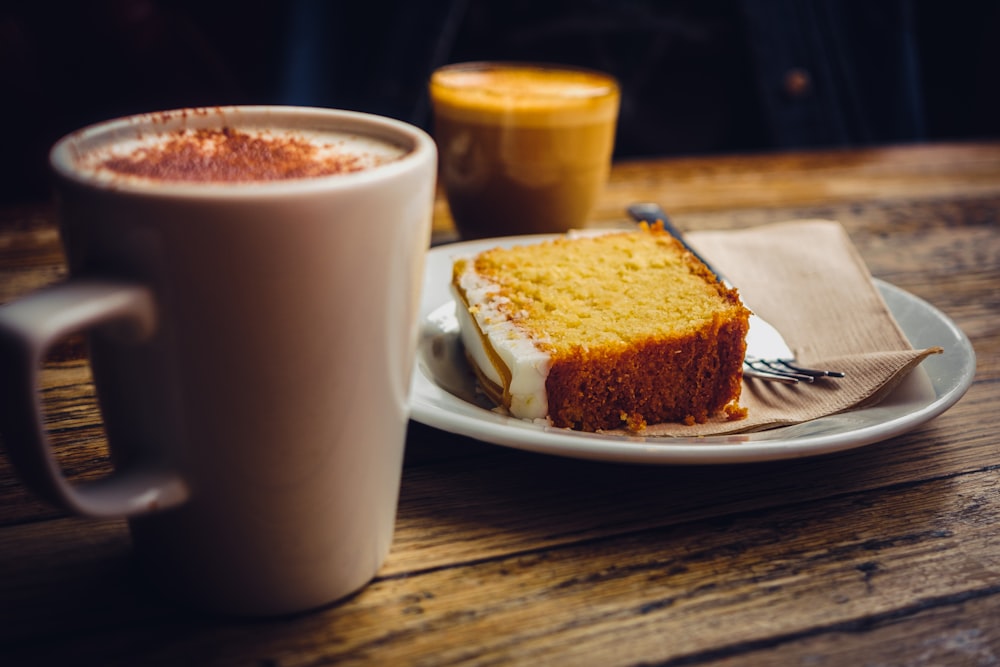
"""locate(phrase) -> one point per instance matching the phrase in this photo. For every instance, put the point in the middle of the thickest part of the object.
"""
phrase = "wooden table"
(887, 554)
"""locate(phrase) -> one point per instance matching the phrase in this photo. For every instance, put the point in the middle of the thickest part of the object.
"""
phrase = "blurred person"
(698, 76)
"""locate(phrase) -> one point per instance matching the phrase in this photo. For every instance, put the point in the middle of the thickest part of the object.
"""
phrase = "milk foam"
(551, 96)
(526, 82)
(326, 147)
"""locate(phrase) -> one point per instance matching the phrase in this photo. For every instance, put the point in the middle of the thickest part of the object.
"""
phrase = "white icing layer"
(527, 364)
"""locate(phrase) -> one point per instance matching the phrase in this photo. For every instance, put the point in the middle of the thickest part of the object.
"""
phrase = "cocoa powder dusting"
(229, 155)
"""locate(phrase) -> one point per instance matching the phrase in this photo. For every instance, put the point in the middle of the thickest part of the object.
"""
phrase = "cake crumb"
(735, 412)
(634, 422)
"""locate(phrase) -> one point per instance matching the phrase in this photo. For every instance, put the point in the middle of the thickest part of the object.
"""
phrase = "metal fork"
(768, 357)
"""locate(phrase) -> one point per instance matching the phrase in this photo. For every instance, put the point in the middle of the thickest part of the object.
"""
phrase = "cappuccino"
(246, 279)
(176, 151)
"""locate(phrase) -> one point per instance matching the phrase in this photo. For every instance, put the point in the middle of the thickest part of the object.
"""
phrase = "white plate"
(444, 395)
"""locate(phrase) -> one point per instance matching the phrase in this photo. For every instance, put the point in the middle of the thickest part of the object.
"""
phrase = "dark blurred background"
(698, 76)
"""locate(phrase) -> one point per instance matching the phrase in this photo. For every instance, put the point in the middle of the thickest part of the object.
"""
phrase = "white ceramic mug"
(251, 344)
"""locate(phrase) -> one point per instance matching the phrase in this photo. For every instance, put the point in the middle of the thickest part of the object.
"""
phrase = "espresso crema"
(237, 155)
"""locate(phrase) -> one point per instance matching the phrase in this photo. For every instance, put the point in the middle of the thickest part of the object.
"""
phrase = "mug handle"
(29, 327)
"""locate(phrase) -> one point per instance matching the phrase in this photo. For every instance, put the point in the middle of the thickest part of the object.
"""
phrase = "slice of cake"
(602, 332)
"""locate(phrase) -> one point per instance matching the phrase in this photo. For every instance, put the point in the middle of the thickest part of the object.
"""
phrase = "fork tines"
(781, 370)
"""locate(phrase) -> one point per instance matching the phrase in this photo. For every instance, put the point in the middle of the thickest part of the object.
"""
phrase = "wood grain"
(888, 554)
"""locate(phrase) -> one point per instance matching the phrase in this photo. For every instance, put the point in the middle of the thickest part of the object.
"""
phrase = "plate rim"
(492, 428)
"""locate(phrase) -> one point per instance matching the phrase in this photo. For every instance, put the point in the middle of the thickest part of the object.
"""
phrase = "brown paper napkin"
(808, 280)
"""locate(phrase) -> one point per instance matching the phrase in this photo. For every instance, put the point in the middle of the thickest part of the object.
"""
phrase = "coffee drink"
(523, 148)
(246, 277)
(235, 155)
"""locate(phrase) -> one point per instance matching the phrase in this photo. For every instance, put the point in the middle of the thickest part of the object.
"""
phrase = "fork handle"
(652, 213)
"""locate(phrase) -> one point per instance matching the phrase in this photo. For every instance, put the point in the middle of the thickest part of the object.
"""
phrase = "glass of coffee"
(523, 148)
